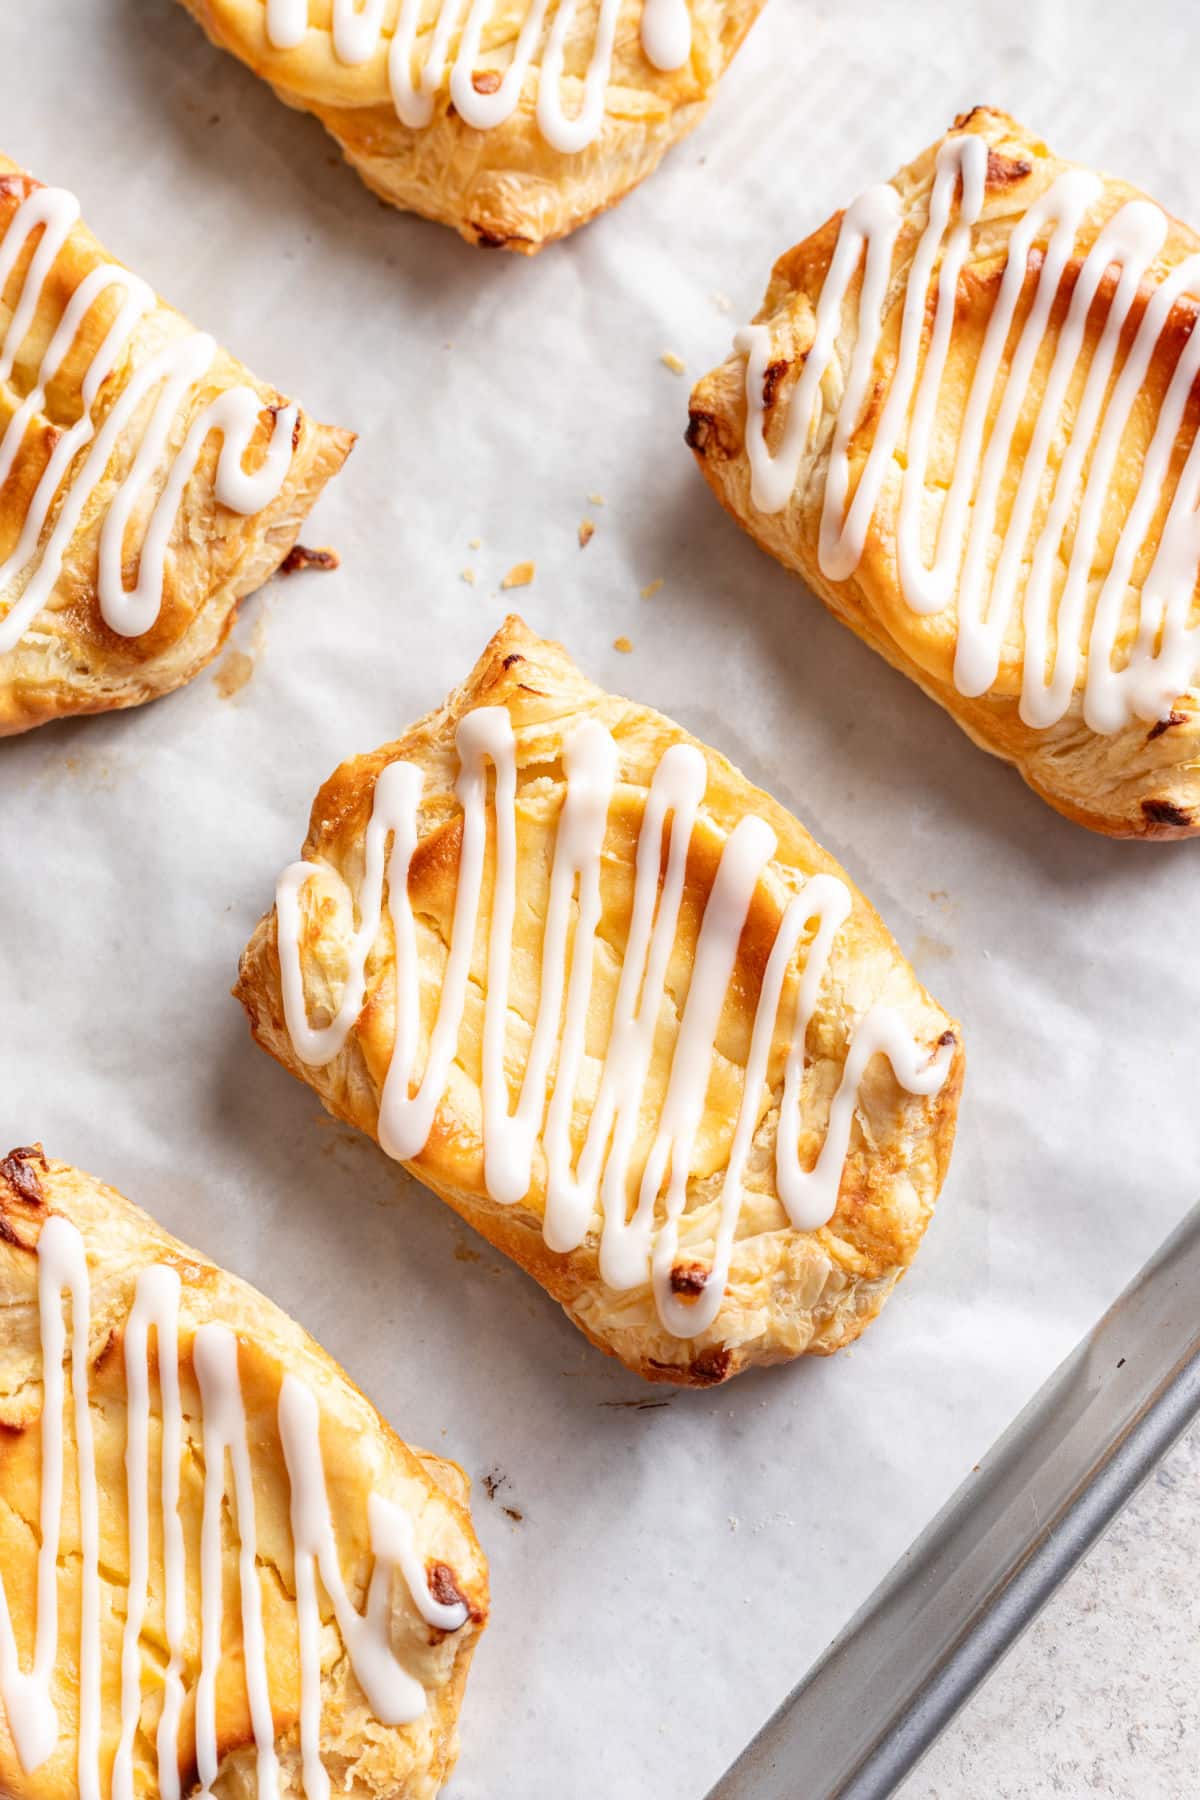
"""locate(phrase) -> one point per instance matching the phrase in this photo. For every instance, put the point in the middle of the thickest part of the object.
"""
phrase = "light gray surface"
(675, 1570)
(1102, 1694)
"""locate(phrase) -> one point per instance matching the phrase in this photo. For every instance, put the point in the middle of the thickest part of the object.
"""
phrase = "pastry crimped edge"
(815, 1299)
(504, 187)
(367, 1761)
(1142, 781)
(52, 674)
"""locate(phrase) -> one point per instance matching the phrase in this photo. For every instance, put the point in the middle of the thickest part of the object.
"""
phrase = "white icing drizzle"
(358, 29)
(215, 1355)
(28, 1702)
(155, 1305)
(80, 458)
(634, 1247)
(394, 1696)
(1165, 657)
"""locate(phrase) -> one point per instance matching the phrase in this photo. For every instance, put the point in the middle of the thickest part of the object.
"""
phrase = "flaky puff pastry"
(557, 739)
(1029, 424)
(123, 433)
(54, 1218)
(504, 186)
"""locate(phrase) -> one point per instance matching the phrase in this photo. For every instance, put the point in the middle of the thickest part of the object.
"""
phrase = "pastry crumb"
(652, 587)
(675, 363)
(723, 303)
(235, 671)
(475, 544)
(623, 645)
(300, 557)
(596, 500)
(468, 575)
(520, 575)
(587, 532)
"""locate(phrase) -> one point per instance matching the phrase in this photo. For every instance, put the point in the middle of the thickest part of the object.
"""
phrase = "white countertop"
(1102, 1694)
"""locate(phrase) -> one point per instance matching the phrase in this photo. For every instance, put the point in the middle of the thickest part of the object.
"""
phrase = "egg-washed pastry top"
(616, 1006)
(220, 1570)
(967, 414)
(147, 480)
(512, 120)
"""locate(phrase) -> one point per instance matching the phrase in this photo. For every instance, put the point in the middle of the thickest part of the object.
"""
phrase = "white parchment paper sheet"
(674, 1569)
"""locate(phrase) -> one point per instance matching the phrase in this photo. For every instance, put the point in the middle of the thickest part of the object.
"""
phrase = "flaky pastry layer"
(789, 1290)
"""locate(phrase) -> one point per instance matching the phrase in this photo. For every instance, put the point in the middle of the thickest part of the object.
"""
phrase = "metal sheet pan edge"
(861, 1719)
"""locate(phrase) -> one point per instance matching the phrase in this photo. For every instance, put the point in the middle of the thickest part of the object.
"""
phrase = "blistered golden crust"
(789, 1291)
(1142, 781)
(505, 187)
(68, 659)
(362, 1455)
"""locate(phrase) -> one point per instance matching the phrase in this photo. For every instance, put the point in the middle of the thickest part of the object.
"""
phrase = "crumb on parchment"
(587, 532)
(623, 645)
(596, 500)
(520, 575)
(300, 557)
(675, 363)
(652, 587)
(468, 575)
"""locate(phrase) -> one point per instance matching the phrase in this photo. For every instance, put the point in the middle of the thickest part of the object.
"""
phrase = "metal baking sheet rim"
(867, 1711)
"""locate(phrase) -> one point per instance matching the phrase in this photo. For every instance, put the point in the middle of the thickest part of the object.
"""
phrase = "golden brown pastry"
(616, 1007)
(966, 414)
(218, 1565)
(511, 120)
(147, 481)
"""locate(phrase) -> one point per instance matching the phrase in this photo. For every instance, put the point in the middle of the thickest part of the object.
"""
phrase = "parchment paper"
(678, 1559)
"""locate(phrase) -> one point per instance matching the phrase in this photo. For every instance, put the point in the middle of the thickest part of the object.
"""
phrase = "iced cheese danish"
(615, 1006)
(148, 482)
(514, 121)
(220, 1570)
(966, 414)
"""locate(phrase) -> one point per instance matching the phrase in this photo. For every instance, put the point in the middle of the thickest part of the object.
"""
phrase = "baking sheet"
(679, 1559)
(984, 1567)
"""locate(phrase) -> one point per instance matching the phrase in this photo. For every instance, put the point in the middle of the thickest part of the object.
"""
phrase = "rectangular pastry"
(219, 1567)
(966, 414)
(147, 481)
(616, 1007)
(511, 120)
